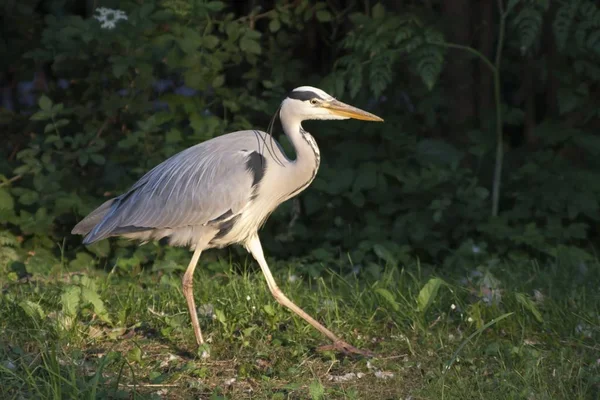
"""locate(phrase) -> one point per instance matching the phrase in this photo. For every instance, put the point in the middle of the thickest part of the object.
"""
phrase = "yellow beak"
(345, 110)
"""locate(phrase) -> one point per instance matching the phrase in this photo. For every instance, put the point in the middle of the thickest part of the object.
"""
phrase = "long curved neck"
(308, 155)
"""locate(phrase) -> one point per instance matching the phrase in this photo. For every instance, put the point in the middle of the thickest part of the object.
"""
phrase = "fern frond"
(8, 248)
(593, 42)
(528, 24)
(429, 61)
(380, 74)
(587, 68)
(355, 78)
(565, 16)
(183, 8)
(8, 239)
(376, 44)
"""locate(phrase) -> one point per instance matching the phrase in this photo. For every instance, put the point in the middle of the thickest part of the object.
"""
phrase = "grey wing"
(207, 181)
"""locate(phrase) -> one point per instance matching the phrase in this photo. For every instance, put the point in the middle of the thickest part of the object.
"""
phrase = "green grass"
(94, 334)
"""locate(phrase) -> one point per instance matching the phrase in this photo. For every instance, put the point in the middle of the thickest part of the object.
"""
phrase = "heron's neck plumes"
(308, 157)
(304, 144)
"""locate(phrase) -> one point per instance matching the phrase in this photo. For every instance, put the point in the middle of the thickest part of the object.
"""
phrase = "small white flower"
(229, 382)
(350, 376)
(469, 319)
(453, 307)
(328, 304)
(384, 374)
(476, 249)
(8, 364)
(292, 278)
(584, 329)
(248, 298)
(207, 310)
(109, 17)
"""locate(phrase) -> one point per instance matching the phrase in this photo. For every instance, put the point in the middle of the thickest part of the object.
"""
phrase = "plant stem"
(499, 119)
(471, 50)
(495, 69)
(11, 180)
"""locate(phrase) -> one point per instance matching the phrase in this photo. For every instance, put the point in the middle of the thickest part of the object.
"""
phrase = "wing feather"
(201, 184)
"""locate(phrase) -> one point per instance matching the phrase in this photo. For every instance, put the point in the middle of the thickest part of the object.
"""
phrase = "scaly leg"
(254, 247)
(188, 292)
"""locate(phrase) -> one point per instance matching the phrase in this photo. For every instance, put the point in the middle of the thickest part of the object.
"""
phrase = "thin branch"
(468, 49)
(11, 180)
(495, 69)
(499, 120)
(99, 131)
(254, 17)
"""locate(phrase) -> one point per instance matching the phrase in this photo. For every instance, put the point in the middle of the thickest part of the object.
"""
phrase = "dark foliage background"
(465, 87)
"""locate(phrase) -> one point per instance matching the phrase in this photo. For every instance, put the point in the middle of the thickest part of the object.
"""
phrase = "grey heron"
(221, 191)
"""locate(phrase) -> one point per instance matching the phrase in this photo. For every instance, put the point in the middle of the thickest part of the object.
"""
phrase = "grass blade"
(471, 336)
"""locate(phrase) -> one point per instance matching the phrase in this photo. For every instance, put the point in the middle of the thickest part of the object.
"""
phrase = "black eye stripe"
(304, 95)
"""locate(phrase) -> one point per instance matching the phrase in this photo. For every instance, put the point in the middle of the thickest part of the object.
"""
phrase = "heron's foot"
(203, 351)
(345, 348)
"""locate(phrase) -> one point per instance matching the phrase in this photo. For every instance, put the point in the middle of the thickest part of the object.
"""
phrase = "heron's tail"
(88, 223)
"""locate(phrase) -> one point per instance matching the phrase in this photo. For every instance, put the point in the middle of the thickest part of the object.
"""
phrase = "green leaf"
(233, 31)
(119, 69)
(52, 139)
(83, 159)
(210, 41)
(41, 116)
(220, 316)
(100, 248)
(529, 305)
(61, 122)
(173, 135)
(438, 152)
(378, 11)
(28, 197)
(6, 200)
(189, 41)
(250, 45)
(45, 103)
(389, 297)
(274, 25)
(135, 355)
(97, 159)
(366, 178)
(563, 21)
(197, 122)
(510, 6)
(218, 81)
(323, 16)
(316, 390)
(82, 261)
(428, 294)
(88, 295)
(269, 309)
(215, 5)
(33, 310)
(385, 254)
(70, 299)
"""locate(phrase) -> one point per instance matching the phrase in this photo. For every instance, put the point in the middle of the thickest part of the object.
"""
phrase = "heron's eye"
(314, 102)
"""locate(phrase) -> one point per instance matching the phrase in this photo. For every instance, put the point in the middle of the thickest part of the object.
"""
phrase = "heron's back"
(210, 188)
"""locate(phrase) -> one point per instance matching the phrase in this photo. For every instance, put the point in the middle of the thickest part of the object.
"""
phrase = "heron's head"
(307, 102)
